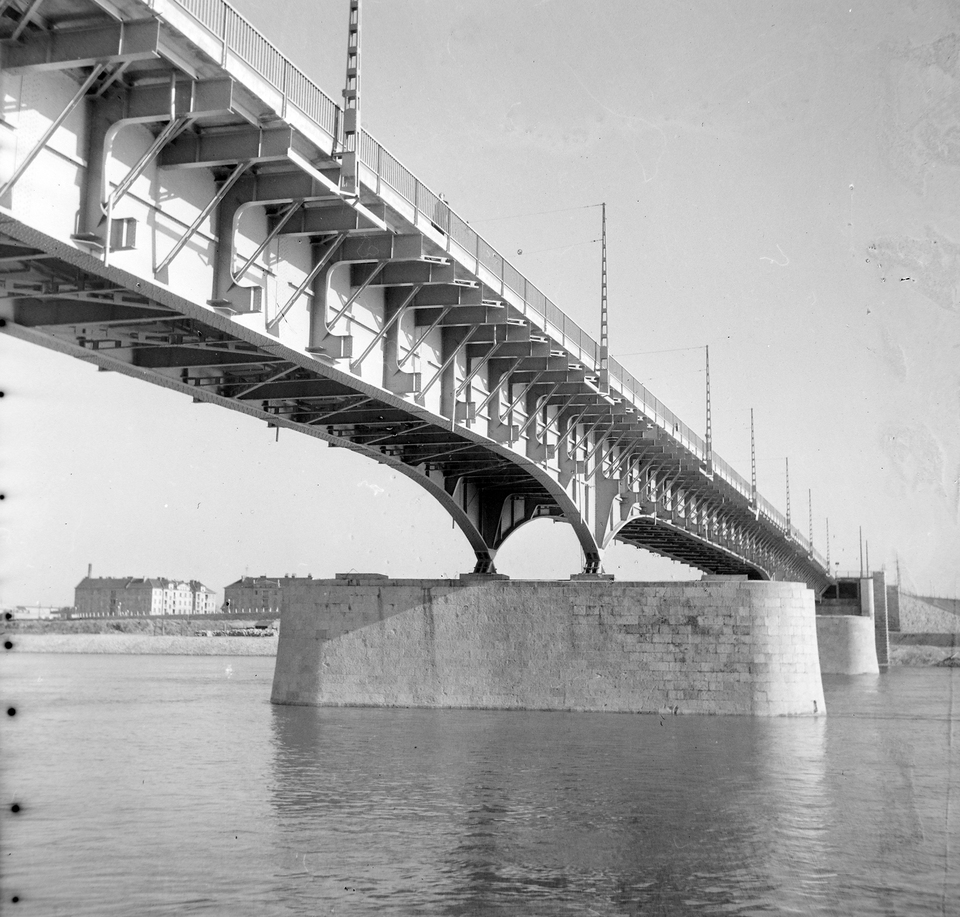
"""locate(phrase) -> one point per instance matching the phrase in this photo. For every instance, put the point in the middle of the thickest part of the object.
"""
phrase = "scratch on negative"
(786, 260)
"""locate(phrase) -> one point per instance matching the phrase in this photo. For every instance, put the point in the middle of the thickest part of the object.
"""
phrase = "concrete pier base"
(847, 645)
(718, 647)
(850, 637)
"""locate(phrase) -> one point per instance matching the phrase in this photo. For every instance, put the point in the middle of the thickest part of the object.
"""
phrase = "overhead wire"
(645, 353)
(532, 213)
(687, 372)
(555, 248)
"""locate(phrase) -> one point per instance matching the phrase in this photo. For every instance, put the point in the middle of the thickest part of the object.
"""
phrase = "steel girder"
(582, 447)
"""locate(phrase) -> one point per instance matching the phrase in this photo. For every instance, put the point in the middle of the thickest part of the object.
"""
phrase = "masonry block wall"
(849, 634)
(709, 647)
(928, 615)
(880, 620)
(848, 645)
(893, 608)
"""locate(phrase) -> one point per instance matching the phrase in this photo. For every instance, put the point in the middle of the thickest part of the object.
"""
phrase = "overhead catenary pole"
(709, 433)
(810, 509)
(861, 550)
(604, 316)
(788, 496)
(828, 545)
(753, 464)
(349, 180)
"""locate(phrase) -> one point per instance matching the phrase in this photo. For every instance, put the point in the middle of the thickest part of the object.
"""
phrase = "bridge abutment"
(719, 646)
(848, 631)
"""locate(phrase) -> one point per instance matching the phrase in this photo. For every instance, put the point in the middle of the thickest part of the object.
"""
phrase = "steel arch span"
(177, 208)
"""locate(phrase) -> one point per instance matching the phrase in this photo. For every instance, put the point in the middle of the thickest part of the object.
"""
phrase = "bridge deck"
(216, 253)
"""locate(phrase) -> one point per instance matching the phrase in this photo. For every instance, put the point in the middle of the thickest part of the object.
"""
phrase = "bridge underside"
(376, 320)
(661, 537)
(66, 300)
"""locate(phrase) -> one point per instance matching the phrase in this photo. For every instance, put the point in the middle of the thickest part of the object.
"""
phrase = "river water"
(170, 785)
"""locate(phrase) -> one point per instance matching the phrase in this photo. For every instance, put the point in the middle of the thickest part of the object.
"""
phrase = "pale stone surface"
(847, 645)
(920, 615)
(143, 644)
(710, 647)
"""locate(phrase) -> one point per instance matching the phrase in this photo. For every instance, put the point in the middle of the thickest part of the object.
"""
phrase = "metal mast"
(604, 325)
(810, 508)
(753, 464)
(709, 436)
(788, 497)
(349, 182)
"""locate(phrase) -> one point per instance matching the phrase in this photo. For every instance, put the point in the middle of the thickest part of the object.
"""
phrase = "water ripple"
(161, 785)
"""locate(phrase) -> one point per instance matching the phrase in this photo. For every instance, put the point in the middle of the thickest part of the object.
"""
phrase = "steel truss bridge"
(177, 205)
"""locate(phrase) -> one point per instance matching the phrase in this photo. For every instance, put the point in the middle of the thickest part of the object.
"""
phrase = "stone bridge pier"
(724, 645)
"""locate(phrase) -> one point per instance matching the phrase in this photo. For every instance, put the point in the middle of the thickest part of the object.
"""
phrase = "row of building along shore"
(143, 597)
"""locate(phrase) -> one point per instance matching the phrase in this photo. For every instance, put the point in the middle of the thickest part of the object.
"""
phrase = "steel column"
(52, 129)
(207, 210)
(322, 262)
(284, 218)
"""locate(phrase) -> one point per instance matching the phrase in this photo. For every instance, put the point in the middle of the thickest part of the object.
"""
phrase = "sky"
(781, 183)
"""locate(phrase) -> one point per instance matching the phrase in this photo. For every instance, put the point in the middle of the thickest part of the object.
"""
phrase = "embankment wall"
(921, 615)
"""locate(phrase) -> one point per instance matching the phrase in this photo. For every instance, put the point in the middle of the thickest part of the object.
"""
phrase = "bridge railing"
(250, 46)
(773, 515)
(733, 478)
(657, 411)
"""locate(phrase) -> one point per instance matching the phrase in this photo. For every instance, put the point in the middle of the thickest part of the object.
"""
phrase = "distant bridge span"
(174, 208)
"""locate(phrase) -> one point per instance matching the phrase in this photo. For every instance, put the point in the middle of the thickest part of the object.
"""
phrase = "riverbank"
(919, 655)
(154, 625)
(180, 636)
(143, 644)
(170, 635)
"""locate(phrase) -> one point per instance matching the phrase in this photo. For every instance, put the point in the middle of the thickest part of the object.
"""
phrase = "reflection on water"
(894, 756)
(168, 786)
(544, 812)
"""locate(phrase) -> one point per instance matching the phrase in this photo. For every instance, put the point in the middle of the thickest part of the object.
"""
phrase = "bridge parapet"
(198, 236)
